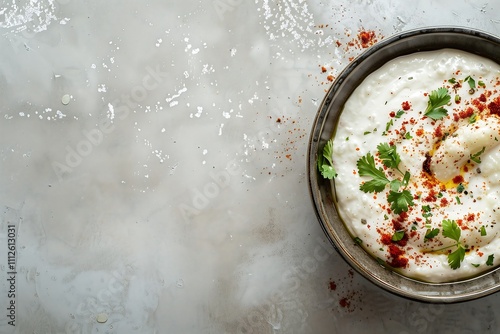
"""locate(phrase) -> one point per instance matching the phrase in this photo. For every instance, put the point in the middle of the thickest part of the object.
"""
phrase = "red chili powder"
(494, 106)
(344, 302)
(458, 179)
(466, 113)
(386, 239)
(406, 105)
(438, 133)
(367, 38)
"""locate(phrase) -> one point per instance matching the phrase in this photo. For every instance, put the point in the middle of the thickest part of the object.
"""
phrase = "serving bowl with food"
(404, 164)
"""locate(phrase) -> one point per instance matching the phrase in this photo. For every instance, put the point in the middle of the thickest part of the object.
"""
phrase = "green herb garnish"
(483, 231)
(431, 233)
(452, 81)
(475, 157)
(399, 200)
(452, 230)
(437, 99)
(325, 163)
(490, 260)
(471, 82)
(398, 235)
(472, 118)
(366, 167)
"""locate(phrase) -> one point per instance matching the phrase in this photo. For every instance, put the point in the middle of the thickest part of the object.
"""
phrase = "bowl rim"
(321, 190)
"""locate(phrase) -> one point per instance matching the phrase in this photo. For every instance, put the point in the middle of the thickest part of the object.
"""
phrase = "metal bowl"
(321, 190)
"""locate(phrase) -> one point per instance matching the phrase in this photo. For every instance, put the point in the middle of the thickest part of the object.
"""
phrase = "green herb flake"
(481, 83)
(400, 113)
(366, 133)
(458, 99)
(358, 241)
(460, 188)
(475, 157)
(483, 231)
(490, 260)
(470, 81)
(388, 125)
(431, 233)
(452, 81)
(398, 235)
(458, 200)
(475, 265)
(472, 118)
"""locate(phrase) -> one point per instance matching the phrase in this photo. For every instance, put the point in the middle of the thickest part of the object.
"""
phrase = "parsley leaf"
(456, 257)
(483, 231)
(452, 80)
(400, 113)
(437, 99)
(388, 155)
(400, 201)
(366, 167)
(452, 230)
(325, 163)
(475, 157)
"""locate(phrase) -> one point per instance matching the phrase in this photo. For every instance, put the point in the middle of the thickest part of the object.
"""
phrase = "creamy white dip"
(445, 183)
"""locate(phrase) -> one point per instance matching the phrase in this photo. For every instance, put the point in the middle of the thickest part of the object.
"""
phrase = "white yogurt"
(445, 145)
